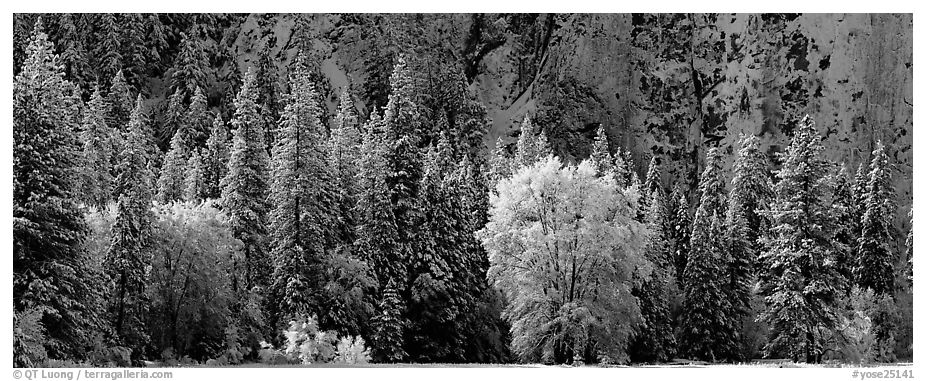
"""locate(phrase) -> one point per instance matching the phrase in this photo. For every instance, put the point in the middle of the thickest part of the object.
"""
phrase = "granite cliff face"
(665, 85)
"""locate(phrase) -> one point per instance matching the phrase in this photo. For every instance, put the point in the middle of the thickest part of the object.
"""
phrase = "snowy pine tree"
(190, 65)
(173, 171)
(301, 195)
(874, 268)
(750, 191)
(499, 163)
(197, 119)
(119, 104)
(128, 256)
(601, 152)
(679, 231)
(194, 184)
(531, 147)
(245, 186)
(53, 280)
(707, 325)
(343, 158)
(802, 280)
(215, 158)
(98, 154)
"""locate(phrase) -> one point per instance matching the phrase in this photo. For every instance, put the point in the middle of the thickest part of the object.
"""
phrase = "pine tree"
(267, 90)
(98, 154)
(108, 49)
(119, 104)
(190, 66)
(376, 226)
(655, 340)
(652, 186)
(622, 168)
(245, 186)
(197, 119)
(802, 279)
(499, 163)
(402, 111)
(174, 118)
(301, 223)
(343, 158)
(155, 43)
(875, 264)
(74, 54)
(129, 254)
(750, 191)
(707, 325)
(173, 172)
(215, 158)
(389, 323)
(194, 185)
(531, 148)
(52, 275)
(601, 153)
(679, 230)
(845, 236)
(132, 33)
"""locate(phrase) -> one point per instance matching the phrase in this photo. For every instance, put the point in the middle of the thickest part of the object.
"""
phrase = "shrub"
(352, 350)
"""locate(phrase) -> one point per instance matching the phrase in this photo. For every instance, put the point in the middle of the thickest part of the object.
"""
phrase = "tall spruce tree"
(802, 278)
(679, 230)
(601, 152)
(845, 236)
(173, 171)
(875, 263)
(52, 275)
(215, 158)
(499, 163)
(245, 186)
(128, 256)
(108, 48)
(98, 154)
(707, 323)
(190, 65)
(531, 147)
(655, 340)
(302, 199)
(119, 104)
(194, 184)
(343, 158)
(197, 119)
(750, 191)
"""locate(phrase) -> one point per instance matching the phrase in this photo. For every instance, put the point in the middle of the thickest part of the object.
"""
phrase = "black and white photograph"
(627, 192)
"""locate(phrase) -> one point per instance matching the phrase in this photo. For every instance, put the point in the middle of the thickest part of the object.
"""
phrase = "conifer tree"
(875, 264)
(651, 188)
(215, 158)
(343, 158)
(73, 46)
(389, 323)
(194, 185)
(376, 227)
(173, 171)
(245, 186)
(499, 163)
(845, 236)
(403, 111)
(119, 104)
(531, 148)
(197, 119)
(52, 275)
(189, 66)
(622, 168)
(654, 340)
(132, 33)
(679, 229)
(750, 191)
(601, 153)
(300, 221)
(174, 118)
(129, 255)
(155, 42)
(802, 280)
(98, 154)
(707, 325)
(108, 48)
(267, 90)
